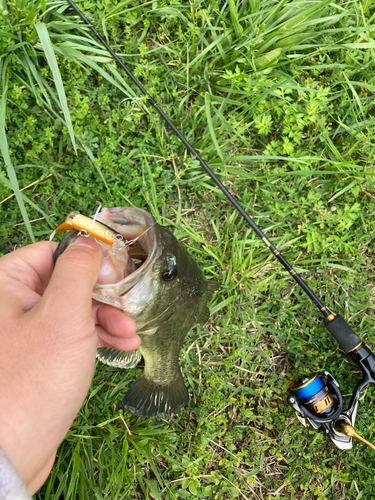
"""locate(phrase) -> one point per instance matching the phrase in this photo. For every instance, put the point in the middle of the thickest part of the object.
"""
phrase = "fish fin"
(118, 359)
(146, 398)
(212, 287)
(203, 316)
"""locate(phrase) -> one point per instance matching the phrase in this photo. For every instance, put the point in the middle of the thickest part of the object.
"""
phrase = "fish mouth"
(141, 234)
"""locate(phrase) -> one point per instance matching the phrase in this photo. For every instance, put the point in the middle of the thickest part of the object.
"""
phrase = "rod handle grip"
(347, 339)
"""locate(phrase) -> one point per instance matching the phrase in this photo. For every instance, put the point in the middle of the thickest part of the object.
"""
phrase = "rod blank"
(323, 310)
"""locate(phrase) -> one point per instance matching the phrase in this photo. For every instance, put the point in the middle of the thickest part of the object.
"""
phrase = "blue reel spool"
(312, 393)
(308, 388)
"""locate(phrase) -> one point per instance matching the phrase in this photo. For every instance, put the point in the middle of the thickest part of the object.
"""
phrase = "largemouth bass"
(154, 280)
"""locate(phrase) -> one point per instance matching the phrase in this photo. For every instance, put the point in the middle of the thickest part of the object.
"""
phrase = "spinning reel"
(320, 404)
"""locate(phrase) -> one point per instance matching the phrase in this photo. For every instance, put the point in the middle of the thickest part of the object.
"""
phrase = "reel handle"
(348, 430)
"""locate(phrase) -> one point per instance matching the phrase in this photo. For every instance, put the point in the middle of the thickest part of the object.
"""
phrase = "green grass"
(278, 97)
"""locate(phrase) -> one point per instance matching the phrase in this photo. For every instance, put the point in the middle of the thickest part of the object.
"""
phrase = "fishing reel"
(318, 402)
(320, 405)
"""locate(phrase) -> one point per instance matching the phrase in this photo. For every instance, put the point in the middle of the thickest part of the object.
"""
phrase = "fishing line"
(210, 173)
(226, 286)
(321, 414)
(323, 309)
(95, 216)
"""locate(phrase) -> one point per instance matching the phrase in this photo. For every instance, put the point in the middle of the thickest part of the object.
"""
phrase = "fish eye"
(169, 274)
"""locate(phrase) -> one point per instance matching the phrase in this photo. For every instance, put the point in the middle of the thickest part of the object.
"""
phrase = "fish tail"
(146, 398)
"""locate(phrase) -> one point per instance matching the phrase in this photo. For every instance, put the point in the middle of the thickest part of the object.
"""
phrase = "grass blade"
(51, 58)
(25, 198)
(9, 166)
(207, 101)
(234, 15)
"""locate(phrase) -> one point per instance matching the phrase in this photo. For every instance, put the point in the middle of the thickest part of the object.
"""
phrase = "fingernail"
(83, 241)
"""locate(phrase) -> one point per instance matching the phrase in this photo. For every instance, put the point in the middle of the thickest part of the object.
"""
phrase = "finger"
(76, 272)
(25, 273)
(106, 339)
(32, 265)
(114, 321)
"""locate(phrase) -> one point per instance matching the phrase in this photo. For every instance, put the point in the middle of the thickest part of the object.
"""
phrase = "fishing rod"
(315, 402)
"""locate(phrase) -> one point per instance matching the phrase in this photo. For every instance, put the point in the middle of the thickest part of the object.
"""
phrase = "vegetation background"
(278, 96)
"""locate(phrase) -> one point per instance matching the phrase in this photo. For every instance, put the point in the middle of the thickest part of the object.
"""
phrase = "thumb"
(73, 279)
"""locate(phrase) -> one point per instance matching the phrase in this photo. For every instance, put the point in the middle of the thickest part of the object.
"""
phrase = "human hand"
(50, 329)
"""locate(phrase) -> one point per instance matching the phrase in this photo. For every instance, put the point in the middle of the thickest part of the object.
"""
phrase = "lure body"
(90, 226)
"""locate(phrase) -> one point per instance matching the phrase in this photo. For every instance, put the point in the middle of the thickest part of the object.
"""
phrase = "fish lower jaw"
(107, 299)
